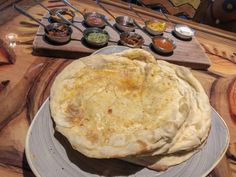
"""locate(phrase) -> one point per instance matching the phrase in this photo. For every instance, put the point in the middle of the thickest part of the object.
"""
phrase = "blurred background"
(216, 13)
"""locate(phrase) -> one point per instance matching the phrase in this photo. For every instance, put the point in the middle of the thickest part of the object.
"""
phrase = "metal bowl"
(183, 31)
(95, 30)
(160, 49)
(125, 23)
(124, 41)
(95, 15)
(63, 11)
(151, 31)
(58, 39)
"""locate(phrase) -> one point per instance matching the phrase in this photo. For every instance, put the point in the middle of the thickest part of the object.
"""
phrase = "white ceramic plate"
(49, 154)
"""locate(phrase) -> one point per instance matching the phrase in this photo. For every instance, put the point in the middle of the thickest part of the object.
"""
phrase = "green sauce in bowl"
(97, 37)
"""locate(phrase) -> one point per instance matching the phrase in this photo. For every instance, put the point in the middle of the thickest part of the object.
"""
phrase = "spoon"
(28, 15)
(97, 1)
(73, 7)
(69, 22)
(142, 29)
(166, 17)
(109, 24)
(131, 8)
(123, 23)
(47, 28)
(86, 32)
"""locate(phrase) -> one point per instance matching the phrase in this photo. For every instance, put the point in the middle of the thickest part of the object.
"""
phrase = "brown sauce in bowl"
(60, 31)
(132, 39)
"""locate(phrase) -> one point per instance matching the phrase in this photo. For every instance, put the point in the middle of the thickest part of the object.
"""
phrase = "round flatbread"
(129, 104)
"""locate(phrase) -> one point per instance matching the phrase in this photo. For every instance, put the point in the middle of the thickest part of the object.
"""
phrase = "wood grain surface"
(25, 83)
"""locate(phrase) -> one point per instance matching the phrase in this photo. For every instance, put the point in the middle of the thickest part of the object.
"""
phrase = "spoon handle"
(73, 7)
(131, 8)
(108, 23)
(69, 22)
(28, 15)
(167, 18)
(97, 1)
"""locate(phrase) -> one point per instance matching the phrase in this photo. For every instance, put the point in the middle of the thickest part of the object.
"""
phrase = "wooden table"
(31, 77)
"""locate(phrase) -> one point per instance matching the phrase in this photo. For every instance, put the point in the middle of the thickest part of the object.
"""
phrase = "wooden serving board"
(187, 53)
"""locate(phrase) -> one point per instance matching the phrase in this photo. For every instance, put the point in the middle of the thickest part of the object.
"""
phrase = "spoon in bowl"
(67, 21)
(73, 7)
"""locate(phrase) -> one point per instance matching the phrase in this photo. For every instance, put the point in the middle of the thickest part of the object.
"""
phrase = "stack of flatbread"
(131, 106)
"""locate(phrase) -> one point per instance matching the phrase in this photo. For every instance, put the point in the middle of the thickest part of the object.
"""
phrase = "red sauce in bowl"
(93, 20)
(164, 44)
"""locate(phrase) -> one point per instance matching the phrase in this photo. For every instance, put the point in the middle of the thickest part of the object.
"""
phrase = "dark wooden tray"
(187, 53)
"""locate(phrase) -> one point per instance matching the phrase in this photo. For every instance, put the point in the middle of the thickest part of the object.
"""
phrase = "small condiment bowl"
(136, 37)
(90, 23)
(125, 23)
(154, 32)
(63, 11)
(57, 38)
(93, 43)
(183, 31)
(163, 45)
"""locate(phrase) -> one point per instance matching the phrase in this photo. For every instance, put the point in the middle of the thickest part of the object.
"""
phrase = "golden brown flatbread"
(129, 104)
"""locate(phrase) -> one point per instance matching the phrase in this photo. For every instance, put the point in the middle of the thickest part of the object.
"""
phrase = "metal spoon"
(68, 22)
(131, 8)
(73, 7)
(109, 24)
(167, 18)
(123, 23)
(97, 1)
(118, 32)
(142, 29)
(22, 11)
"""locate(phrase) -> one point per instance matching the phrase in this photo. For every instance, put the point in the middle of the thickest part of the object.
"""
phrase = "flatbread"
(164, 161)
(195, 129)
(129, 104)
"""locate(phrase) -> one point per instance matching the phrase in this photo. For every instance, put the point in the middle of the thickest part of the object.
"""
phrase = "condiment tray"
(187, 53)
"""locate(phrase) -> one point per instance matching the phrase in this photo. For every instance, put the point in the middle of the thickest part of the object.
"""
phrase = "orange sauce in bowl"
(163, 43)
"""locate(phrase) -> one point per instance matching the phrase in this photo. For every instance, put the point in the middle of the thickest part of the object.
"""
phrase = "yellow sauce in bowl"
(156, 26)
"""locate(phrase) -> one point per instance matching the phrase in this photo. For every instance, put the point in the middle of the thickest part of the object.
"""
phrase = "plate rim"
(27, 153)
(225, 148)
